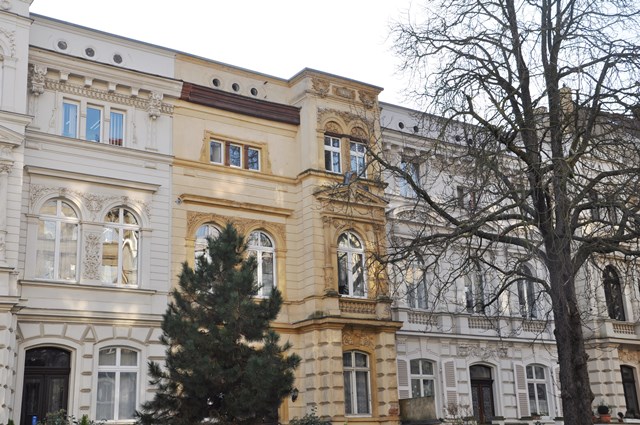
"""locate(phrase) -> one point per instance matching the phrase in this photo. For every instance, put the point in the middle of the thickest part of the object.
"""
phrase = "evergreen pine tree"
(223, 362)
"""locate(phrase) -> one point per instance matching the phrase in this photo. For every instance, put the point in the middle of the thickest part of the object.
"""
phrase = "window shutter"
(450, 384)
(522, 395)
(557, 390)
(245, 159)
(404, 390)
(226, 153)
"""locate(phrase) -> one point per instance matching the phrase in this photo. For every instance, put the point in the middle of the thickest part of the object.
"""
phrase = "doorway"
(46, 383)
(482, 393)
(630, 393)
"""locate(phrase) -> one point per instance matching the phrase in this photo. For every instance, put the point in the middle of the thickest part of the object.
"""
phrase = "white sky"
(278, 37)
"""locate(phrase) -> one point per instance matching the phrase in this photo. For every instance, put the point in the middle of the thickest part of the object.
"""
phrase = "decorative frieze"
(37, 75)
(92, 259)
(483, 353)
(10, 36)
(320, 86)
(357, 338)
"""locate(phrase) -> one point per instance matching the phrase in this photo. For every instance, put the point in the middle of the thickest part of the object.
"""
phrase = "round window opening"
(216, 82)
(235, 87)
(89, 52)
(117, 58)
(254, 91)
(62, 45)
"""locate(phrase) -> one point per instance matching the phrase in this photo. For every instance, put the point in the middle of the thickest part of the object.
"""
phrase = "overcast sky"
(349, 38)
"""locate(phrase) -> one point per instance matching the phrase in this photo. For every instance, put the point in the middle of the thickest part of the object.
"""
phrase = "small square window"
(235, 155)
(253, 159)
(216, 154)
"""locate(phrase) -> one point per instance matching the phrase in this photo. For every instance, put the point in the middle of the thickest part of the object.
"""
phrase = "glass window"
(70, 119)
(416, 286)
(94, 124)
(120, 247)
(357, 156)
(422, 379)
(351, 277)
(404, 188)
(216, 152)
(117, 384)
(235, 155)
(474, 290)
(527, 295)
(253, 159)
(262, 248)
(201, 244)
(116, 128)
(57, 243)
(537, 388)
(613, 293)
(356, 383)
(332, 154)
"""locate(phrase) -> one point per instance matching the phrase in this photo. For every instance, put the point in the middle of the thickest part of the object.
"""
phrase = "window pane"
(116, 128)
(68, 251)
(107, 357)
(129, 218)
(427, 367)
(267, 273)
(265, 241)
(348, 408)
(106, 396)
(529, 372)
(110, 255)
(215, 153)
(49, 208)
(94, 124)
(235, 155)
(427, 387)
(343, 280)
(128, 357)
(346, 359)
(45, 250)
(539, 372)
(362, 392)
(130, 257)
(127, 395)
(361, 360)
(113, 216)
(69, 120)
(253, 158)
(415, 367)
(358, 275)
(415, 388)
(67, 211)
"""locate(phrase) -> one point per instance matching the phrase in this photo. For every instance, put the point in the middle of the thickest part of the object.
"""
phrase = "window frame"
(231, 146)
(475, 290)
(414, 289)
(66, 118)
(333, 152)
(349, 251)
(120, 227)
(351, 391)
(100, 111)
(413, 169)
(535, 381)
(613, 293)
(259, 251)
(107, 120)
(58, 220)
(118, 369)
(244, 158)
(421, 376)
(250, 162)
(527, 294)
(113, 129)
(359, 159)
(222, 151)
(210, 230)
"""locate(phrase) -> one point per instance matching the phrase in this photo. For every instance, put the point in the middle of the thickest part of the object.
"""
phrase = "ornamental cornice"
(483, 353)
(152, 104)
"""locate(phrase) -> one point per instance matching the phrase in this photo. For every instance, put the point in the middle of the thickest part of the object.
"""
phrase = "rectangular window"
(216, 154)
(70, 119)
(116, 128)
(94, 124)
(117, 384)
(357, 153)
(356, 383)
(332, 154)
(404, 188)
(253, 159)
(235, 155)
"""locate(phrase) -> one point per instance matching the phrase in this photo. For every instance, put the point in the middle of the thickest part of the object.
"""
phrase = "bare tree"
(536, 152)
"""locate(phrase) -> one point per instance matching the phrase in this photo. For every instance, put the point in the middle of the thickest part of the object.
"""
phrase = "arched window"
(261, 246)
(117, 384)
(422, 378)
(527, 294)
(417, 296)
(57, 245)
(613, 293)
(351, 277)
(356, 383)
(201, 243)
(474, 290)
(120, 247)
(537, 388)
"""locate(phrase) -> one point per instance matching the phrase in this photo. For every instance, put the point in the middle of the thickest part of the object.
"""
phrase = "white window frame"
(475, 291)
(100, 110)
(119, 228)
(257, 151)
(421, 376)
(527, 295)
(332, 151)
(117, 112)
(416, 281)
(411, 168)
(58, 220)
(239, 147)
(118, 369)
(350, 374)
(532, 379)
(106, 119)
(259, 250)
(207, 230)
(350, 251)
(357, 157)
(222, 151)
(76, 129)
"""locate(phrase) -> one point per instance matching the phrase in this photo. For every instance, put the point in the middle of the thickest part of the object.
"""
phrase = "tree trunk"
(574, 377)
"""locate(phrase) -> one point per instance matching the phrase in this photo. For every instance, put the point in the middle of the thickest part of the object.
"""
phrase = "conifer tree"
(223, 362)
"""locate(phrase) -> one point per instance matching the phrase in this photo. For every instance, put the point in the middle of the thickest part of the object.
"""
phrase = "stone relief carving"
(368, 99)
(109, 96)
(483, 353)
(196, 219)
(358, 338)
(37, 79)
(345, 93)
(94, 203)
(332, 127)
(629, 356)
(320, 86)
(5, 5)
(10, 36)
(349, 118)
(5, 166)
(155, 105)
(91, 269)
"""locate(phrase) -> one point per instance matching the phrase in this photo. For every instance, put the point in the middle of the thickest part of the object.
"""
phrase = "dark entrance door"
(46, 383)
(630, 393)
(482, 393)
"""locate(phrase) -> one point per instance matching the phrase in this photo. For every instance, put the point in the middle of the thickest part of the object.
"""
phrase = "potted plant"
(605, 413)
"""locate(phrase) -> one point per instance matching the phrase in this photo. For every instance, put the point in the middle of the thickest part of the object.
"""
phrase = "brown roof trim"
(243, 105)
